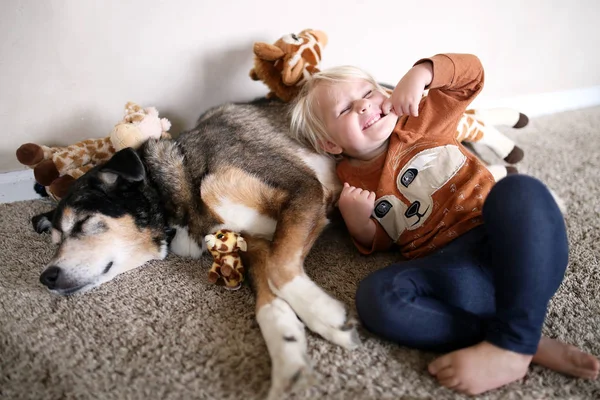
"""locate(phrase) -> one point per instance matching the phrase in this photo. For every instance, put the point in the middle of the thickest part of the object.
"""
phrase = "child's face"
(352, 114)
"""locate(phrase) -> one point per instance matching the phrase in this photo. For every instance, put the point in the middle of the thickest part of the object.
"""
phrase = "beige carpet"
(162, 332)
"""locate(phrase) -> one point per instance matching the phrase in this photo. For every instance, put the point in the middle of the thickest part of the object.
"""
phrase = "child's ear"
(330, 147)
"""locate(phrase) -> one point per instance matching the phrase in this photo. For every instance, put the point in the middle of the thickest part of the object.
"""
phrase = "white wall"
(67, 67)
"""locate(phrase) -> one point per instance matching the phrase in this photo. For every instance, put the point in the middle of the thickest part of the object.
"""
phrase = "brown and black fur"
(238, 152)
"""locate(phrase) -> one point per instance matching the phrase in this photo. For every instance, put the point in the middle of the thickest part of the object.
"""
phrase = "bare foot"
(479, 368)
(566, 358)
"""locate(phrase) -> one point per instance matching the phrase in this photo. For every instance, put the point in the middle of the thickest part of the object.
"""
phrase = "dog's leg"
(300, 223)
(284, 334)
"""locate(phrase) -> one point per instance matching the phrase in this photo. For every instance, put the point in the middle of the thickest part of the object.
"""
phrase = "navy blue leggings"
(492, 283)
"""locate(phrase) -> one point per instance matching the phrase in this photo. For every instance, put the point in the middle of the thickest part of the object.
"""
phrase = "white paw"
(286, 341)
(289, 380)
(184, 245)
(319, 311)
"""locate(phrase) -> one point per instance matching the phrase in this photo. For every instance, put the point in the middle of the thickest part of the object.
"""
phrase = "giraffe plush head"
(138, 125)
(227, 268)
(285, 65)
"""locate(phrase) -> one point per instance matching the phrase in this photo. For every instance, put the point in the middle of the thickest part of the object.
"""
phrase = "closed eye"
(365, 96)
(78, 227)
(87, 227)
(344, 111)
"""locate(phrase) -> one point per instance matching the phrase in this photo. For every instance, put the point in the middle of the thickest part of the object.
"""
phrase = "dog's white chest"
(242, 218)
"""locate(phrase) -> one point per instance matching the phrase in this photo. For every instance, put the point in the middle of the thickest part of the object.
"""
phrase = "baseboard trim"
(17, 186)
(535, 105)
(16, 176)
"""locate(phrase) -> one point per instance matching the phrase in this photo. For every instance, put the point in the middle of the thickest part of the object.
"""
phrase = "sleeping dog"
(238, 169)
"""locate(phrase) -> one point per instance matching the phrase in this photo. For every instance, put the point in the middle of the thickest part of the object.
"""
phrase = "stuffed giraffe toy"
(285, 65)
(479, 126)
(56, 168)
(227, 268)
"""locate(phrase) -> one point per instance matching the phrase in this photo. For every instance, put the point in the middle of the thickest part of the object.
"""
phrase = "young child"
(484, 259)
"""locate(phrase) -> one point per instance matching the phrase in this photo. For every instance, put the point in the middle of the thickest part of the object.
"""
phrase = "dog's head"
(111, 221)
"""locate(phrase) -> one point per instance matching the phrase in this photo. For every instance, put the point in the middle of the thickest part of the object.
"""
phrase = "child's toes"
(439, 364)
(447, 378)
(446, 373)
(450, 383)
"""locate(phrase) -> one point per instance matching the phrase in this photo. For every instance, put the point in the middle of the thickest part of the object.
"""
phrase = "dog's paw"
(287, 377)
(319, 311)
(42, 222)
(286, 340)
(345, 335)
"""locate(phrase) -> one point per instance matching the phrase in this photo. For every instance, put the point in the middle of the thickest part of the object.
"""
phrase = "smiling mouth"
(372, 120)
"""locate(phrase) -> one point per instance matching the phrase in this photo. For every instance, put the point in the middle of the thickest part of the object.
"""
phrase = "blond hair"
(306, 126)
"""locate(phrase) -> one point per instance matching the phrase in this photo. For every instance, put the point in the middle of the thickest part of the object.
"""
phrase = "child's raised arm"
(457, 79)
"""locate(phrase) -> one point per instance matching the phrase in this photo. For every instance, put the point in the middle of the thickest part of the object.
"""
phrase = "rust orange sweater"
(429, 188)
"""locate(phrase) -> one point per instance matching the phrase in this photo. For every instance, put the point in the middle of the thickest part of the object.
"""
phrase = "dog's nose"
(50, 276)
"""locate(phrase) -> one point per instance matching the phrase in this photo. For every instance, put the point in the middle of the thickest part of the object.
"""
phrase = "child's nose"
(362, 106)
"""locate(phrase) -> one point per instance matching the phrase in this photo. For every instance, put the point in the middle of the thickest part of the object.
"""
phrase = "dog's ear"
(125, 164)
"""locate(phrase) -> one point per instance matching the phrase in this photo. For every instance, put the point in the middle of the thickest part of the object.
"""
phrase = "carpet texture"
(163, 332)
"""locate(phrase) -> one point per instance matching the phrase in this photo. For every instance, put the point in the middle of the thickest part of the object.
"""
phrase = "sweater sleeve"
(457, 79)
(381, 241)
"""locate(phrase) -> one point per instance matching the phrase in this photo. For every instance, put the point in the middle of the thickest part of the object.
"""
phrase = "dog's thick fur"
(239, 170)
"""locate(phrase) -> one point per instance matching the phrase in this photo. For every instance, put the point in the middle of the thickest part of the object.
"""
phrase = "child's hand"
(356, 206)
(408, 92)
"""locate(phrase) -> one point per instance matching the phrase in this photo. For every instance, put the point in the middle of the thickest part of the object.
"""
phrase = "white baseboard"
(535, 105)
(16, 176)
(18, 185)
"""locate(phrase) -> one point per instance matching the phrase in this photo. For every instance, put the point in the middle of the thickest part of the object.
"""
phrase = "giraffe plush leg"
(501, 117)
(232, 277)
(214, 275)
(501, 171)
(500, 144)
(32, 154)
(478, 126)
(59, 187)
